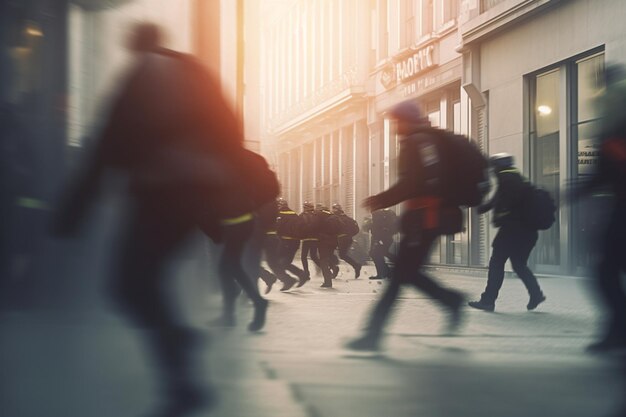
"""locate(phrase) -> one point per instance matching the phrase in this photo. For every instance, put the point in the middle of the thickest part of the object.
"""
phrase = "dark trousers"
(513, 242)
(415, 246)
(272, 251)
(326, 248)
(288, 249)
(609, 278)
(235, 239)
(309, 248)
(343, 247)
(379, 250)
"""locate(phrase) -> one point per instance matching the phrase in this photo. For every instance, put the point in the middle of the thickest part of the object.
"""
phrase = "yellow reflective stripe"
(237, 220)
(509, 171)
(273, 232)
(309, 239)
(289, 238)
(32, 203)
(288, 212)
(343, 234)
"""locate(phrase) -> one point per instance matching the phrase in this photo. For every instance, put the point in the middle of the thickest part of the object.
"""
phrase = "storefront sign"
(588, 154)
(408, 67)
(419, 61)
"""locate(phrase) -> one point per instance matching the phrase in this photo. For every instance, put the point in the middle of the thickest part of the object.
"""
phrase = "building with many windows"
(517, 76)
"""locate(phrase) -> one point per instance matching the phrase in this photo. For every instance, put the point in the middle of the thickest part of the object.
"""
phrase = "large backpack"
(539, 209)
(466, 175)
(260, 181)
(349, 226)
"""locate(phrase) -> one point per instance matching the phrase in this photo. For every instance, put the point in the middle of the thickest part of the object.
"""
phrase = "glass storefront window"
(585, 126)
(545, 165)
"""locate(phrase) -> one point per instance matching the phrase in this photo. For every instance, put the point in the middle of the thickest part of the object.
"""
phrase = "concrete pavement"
(508, 363)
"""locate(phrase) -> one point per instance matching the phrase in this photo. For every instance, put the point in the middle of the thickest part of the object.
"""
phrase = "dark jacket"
(419, 169)
(384, 224)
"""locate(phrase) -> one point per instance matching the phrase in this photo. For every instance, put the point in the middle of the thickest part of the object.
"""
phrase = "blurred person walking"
(177, 141)
(610, 174)
(437, 173)
(516, 236)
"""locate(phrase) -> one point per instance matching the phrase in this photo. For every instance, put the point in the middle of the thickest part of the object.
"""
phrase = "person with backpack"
(516, 236)
(308, 236)
(424, 172)
(288, 229)
(349, 229)
(383, 226)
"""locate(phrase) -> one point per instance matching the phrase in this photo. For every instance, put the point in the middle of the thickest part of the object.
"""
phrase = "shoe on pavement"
(269, 284)
(535, 301)
(326, 285)
(364, 343)
(357, 272)
(303, 280)
(288, 283)
(258, 321)
(482, 305)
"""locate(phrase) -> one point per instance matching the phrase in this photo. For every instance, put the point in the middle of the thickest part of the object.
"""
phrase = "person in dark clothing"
(382, 226)
(610, 175)
(308, 237)
(344, 238)
(420, 185)
(515, 240)
(287, 226)
(327, 243)
(173, 135)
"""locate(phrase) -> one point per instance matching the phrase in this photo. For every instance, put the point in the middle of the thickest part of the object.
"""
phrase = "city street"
(508, 363)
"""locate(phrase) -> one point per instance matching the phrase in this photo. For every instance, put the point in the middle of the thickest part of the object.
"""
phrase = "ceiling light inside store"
(544, 110)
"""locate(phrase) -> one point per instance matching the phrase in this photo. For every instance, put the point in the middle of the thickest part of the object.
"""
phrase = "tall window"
(564, 123)
(545, 162)
(588, 73)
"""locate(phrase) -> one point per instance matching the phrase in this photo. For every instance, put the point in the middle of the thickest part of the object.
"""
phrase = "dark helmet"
(337, 209)
(501, 161)
(308, 206)
(408, 111)
(320, 207)
(282, 203)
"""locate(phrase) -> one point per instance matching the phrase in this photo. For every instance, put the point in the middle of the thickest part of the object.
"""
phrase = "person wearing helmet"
(308, 235)
(349, 228)
(288, 228)
(420, 186)
(514, 240)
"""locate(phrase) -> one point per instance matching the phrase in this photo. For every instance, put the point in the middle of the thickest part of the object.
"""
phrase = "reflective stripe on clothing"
(237, 220)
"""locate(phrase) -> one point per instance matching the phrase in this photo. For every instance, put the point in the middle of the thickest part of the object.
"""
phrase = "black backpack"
(539, 209)
(466, 175)
(349, 226)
